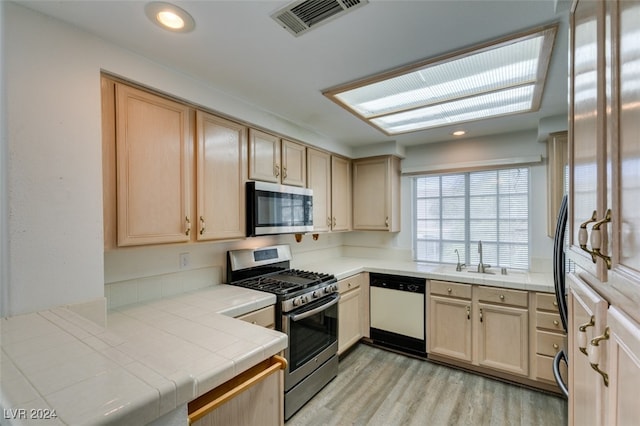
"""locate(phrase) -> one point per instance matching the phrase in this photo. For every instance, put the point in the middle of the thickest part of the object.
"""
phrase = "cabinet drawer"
(546, 302)
(350, 283)
(445, 288)
(503, 296)
(544, 369)
(549, 320)
(548, 343)
(266, 317)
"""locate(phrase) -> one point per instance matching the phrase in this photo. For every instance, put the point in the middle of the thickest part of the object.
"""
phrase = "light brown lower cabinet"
(265, 317)
(254, 397)
(511, 334)
(479, 325)
(350, 311)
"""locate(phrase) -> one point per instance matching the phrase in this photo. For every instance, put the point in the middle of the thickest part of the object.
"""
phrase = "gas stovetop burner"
(284, 282)
(268, 269)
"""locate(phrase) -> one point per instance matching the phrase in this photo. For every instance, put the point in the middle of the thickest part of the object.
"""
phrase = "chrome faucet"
(459, 266)
(481, 266)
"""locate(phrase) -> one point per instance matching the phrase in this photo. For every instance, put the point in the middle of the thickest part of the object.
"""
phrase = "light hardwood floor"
(378, 387)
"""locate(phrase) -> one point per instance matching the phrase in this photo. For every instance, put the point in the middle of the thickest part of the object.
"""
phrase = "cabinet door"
(340, 194)
(349, 326)
(370, 209)
(587, 313)
(294, 163)
(221, 171)
(319, 179)
(628, 223)
(623, 369)
(503, 338)
(449, 327)
(153, 152)
(264, 156)
(587, 126)
(376, 194)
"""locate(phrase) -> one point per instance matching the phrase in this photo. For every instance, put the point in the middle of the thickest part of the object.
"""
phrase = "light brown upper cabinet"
(557, 176)
(153, 173)
(220, 173)
(329, 177)
(376, 193)
(276, 160)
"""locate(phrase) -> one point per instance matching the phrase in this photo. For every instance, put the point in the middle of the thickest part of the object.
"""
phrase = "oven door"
(313, 337)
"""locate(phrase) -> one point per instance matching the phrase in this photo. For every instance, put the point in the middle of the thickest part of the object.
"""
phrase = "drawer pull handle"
(481, 320)
(209, 403)
(449, 290)
(502, 297)
(555, 303)
(468, 312)
(582, 335)
(556, 323)
(555, 346)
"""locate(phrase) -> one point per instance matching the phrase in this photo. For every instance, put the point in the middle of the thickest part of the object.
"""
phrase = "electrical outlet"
(185, 260)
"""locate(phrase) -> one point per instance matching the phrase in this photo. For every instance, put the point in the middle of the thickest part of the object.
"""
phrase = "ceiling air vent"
(301, 16)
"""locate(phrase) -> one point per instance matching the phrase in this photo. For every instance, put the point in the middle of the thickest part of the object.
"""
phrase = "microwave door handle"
(315, 310)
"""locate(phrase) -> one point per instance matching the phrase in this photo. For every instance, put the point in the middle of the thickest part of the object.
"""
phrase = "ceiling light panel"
(503, 77)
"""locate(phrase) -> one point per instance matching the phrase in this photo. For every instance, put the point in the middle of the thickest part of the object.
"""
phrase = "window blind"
(455, 211)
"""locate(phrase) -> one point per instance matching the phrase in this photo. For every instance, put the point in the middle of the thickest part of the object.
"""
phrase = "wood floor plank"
(379, 387)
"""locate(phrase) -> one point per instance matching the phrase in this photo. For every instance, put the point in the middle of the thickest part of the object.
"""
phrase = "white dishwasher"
(397, 312)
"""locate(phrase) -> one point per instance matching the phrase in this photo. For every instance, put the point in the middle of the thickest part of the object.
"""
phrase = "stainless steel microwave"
(278, 209)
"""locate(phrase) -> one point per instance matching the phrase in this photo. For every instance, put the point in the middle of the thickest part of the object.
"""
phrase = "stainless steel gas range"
(306, 310)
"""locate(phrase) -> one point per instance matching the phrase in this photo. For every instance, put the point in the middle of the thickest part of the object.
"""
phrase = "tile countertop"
(150, 360)
(343, 267)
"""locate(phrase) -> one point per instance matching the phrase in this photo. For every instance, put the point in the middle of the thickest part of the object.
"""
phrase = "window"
(455, 211)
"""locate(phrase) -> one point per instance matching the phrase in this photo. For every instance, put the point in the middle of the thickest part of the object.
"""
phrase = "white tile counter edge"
(150, 360)
(343, 267)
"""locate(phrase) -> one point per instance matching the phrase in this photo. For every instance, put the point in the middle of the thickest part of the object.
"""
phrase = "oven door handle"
(314, 311)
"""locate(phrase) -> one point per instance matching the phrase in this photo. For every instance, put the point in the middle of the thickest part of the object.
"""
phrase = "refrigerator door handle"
(560, 356)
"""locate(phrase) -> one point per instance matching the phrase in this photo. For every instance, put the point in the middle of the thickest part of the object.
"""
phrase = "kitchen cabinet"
(604, 148)
(623, 369)
(483, 326)
(153, 153)
(548, 337)
(587, 319)
(220, 177)
(265, 317)
(503, 333)
(350, 312)
(329, 177)
(449, 320)
(255, 396)
(376, 193)
(604, 174)
(276, 160)
(557, 176)
(340, 194)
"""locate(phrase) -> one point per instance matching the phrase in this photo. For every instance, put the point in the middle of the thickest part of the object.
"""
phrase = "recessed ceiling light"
(458, 133)
(502, 77)
(169, 16)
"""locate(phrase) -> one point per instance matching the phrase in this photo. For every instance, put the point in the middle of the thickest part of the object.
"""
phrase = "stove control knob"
(334, 287)
(327, 289)
(297, 302)
(316, 294)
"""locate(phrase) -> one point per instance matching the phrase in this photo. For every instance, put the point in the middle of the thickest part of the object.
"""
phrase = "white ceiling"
(237, 48)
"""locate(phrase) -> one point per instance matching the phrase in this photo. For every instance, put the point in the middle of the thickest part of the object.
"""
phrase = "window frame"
(468, 242)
